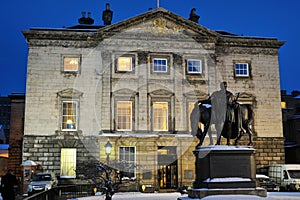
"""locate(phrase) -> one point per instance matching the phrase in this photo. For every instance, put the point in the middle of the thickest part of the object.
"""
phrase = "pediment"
(124, 92)
(246, 98)
(158, 21)
(161, 92)
(69, 93)
(196, 94)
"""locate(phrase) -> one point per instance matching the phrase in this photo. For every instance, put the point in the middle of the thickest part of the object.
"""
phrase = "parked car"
(267, 183)
(286, 175)
(42, 182)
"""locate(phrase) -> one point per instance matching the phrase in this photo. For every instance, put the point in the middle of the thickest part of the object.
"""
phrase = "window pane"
(194, 66)
(191, 107)
(71, 64)
(124, 115)
(69, 115)
(241, 69)
(160, 116)
(127, 157)
(124, 64)
(160, 65)
(68, 163)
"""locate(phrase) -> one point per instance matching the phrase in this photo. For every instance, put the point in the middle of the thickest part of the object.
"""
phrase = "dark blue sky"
(265, 18)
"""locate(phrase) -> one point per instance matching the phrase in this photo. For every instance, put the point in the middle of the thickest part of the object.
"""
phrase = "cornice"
(241, 41)
(60, 37)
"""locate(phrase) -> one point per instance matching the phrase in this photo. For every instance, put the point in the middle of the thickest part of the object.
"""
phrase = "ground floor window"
(127, 160)
(68, 163)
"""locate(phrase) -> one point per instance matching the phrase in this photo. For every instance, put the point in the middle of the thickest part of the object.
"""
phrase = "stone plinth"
(225, 170)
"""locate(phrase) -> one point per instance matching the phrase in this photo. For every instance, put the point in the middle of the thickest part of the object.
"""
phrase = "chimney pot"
(84, 20)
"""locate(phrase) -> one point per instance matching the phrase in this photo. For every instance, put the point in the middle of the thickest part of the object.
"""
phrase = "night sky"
(263, 18)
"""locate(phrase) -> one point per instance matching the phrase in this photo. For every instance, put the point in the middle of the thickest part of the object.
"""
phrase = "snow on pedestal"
(225, 170)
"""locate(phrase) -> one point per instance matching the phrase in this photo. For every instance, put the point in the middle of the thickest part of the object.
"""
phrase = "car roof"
(45, 173)
(261, 176)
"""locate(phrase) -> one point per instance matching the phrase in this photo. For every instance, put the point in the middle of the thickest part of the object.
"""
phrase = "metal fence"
(64, 192)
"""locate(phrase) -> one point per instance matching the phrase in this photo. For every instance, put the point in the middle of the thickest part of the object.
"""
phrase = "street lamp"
(108, 147)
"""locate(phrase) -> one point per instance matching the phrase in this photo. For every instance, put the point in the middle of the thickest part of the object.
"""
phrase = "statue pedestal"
(225, 170)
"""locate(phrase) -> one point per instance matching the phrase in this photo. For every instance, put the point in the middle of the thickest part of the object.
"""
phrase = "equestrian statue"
(231, 119)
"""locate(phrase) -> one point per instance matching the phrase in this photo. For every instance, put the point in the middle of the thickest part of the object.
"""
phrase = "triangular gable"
(159, 21)
(69, 93)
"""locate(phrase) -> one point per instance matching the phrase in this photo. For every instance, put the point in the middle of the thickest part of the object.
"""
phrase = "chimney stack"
(84, 19)
(193, 16)
(107, 15)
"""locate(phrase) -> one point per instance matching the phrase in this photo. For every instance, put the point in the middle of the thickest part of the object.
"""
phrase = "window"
(190, 109)
(127, 157)
(68, 163)
(124, 115)
(71, 64)
(241, 69)
(124, 64)
(191, 106)
(69, 115)
(194, 66)
(160, 116)
(160, 65)
(283, 104)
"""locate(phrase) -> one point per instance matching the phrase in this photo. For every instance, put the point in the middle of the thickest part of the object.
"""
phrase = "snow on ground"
(229, 179)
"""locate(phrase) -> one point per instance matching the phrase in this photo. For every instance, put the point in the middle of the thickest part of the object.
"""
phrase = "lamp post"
(108, 147)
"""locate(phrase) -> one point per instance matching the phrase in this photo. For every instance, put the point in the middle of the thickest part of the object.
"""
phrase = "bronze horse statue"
(201, 114)
(242, 124)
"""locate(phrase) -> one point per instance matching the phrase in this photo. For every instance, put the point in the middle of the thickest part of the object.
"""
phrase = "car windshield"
(42, 177)
(294, 173)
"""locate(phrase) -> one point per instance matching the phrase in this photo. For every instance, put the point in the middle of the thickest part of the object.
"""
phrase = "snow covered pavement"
(174, 196)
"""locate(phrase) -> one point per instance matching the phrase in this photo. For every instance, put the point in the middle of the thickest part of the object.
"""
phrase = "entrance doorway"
(167, 167)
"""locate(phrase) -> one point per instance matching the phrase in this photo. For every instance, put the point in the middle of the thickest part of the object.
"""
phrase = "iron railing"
(64, 192)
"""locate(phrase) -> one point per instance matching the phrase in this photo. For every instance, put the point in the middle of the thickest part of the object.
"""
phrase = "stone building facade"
(133, 84)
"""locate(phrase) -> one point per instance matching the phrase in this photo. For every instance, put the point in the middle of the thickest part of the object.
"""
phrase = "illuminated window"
(283, 104)
(124, 64)
(71, 64)
(127, 157)
(68, 163)
(69, 115)
(194, 66)
(191, 107)
(241, 69)
(124, 115)
(160, 65)
(160, 116)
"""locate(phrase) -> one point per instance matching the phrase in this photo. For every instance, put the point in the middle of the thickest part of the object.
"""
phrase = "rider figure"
(222, 102)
